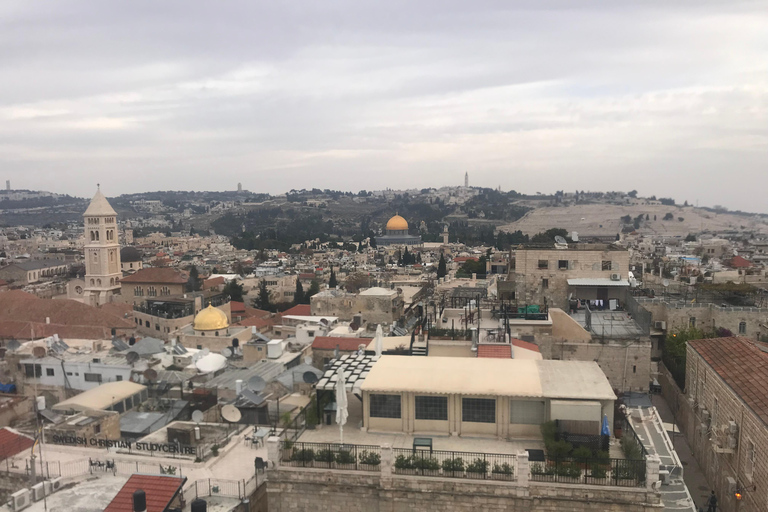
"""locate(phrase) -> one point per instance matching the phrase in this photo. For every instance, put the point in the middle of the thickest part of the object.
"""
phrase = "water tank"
(199, 506)
(274, 349)
(40, 402)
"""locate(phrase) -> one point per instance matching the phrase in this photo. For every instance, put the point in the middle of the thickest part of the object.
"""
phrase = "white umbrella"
(378, 342)
(341, 402)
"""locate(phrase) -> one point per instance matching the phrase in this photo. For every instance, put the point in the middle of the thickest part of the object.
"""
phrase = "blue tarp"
(8, 388)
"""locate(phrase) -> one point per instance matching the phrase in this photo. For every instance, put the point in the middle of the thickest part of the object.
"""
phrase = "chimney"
(139, 501)
(47, 320)
(199, 506)
(238, 386)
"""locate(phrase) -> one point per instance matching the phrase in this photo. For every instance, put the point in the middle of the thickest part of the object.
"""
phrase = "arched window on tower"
(93, 282)
(93, 236)
(98, 282)
(97, 236)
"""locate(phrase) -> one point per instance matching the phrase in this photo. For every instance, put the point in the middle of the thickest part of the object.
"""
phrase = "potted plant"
(502, 472)
(287, 450)
(215, 450)
(478, 468)
(345, 460)
(427, 466)
(304, 457)
(569, 473)
(369, 461)
(323, 458)
(404, 465)
(542, 471)
(453, 467)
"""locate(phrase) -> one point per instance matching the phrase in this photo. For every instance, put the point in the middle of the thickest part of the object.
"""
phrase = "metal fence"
(293, 430)
(640, 315)
(608, 472)
(331, 456)
(628, 427)
(449, 464)
(238, 489)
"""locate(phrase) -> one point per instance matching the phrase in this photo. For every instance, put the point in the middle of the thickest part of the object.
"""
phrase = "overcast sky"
(669, 98)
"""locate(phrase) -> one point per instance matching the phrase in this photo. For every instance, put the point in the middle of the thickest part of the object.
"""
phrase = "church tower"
(102, 252)
(466, 180)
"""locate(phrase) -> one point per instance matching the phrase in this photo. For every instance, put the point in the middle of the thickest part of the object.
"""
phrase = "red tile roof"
(213, 282)
(524, 344)
(298, 310)
(345, 344)
(308, 275)
(156, 275)
(496, 351)
(13, 443)
(236, 306)
(739, 262)
(160, 491)
(742, 365)
(462, 259)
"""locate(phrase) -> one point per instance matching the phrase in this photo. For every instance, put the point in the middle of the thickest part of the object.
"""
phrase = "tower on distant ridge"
(466, 180)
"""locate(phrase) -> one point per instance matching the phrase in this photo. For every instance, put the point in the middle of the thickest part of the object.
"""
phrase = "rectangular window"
(543, 264)
(562, 264)
(119, 378)
(432, 408)
(49, 372)
(526, 412)
(606, 265)
(384, 406)
(742, 327)
(478, 410)
(92, 377)
(97, 429)
(545, 283)
(692, 321)
(751, 457)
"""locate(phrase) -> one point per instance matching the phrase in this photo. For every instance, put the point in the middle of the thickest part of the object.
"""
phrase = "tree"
(690, 238)
(441, 270)
(356, 282)
(632, 193)
(373, 242)
(669, 216)
(234, 290)
(194, 283)
(262, 300)
(548, 236)
(332, 282)
(298, 295)
(314, 288)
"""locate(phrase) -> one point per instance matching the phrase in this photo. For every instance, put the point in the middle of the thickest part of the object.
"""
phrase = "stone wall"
(299, 489)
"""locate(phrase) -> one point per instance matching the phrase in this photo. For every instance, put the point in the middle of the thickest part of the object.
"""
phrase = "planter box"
(476, 476)
(369, 467)
(345, 466)
(502, 476)
(428, 472)
(321, 464)
(405, 471)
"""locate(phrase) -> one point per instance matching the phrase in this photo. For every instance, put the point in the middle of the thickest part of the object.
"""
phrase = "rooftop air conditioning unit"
(731, 485)
(660, 324)
(733, 428)
(615, 277)
(703, 428)
(705, 416)
(38, 491)
(97, 345)
(56, 484)
(20, 500)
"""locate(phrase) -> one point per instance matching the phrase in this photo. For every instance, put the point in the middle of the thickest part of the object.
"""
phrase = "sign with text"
(138, 446)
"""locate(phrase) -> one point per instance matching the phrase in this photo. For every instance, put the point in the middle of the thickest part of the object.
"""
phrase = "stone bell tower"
(102, 252)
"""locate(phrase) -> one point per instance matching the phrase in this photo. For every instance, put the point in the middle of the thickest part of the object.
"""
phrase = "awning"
(597, 281)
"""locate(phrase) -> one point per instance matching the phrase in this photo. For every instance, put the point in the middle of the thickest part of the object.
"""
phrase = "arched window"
(92, 282)
(93, 236)
(138, 291)
(165, 290)
(151, 291)
(98, 282)
(95, 256)
(97, 236)
(111, 255)
(112, 281)
(742, 327)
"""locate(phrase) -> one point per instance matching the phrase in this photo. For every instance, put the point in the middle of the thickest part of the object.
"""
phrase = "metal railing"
(608, 472)
(449, 464)
(629, 428)
(331, 456)
(298, 424)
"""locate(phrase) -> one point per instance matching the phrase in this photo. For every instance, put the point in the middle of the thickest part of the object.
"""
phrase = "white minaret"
(466, 180)
(102, 252)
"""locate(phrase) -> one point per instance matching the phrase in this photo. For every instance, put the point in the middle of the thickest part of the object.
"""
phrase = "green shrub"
(429, 463)
(568, 471)
(287, 444)
(548, 431)
(582, 454)
(559, 449)
(478, 466)
(324, 456)
(303, 455)
(215, 450)
(598, 472)
(403, 462)
(456, 464)
(602, 457)
(540, 468)
(370, 458)
(505, 469)
(345, 457)
(631, 448)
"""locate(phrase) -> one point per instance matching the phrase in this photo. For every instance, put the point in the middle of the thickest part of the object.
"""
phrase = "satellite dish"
(231, 413)
(39, 352)
(665, 283)
(132, 357)
(197, 416)
(308, 360)
(310, 377)
(560, 240)
(256, 384)
(13, 345)
(226, 352)
(206, 351)
(150, 374)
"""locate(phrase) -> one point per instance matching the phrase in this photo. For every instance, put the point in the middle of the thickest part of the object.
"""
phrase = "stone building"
(130, 260)
(726, 419)
(152, 282)
(102, 252)
(584, 271)
(397, 233)
(372, 306)
(28, 272)
(211, 329)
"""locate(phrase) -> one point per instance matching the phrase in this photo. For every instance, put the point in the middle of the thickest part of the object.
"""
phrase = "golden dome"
(211, 319)
(397, 223)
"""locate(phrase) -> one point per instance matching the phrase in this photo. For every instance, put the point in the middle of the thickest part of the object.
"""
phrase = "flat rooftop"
(611, 324)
